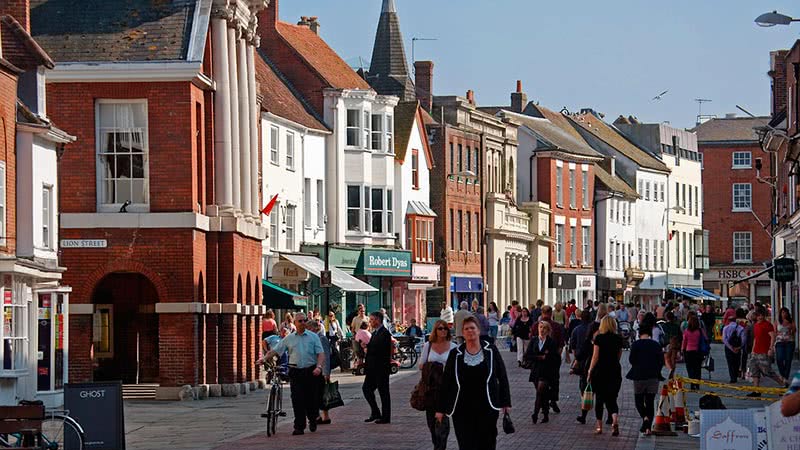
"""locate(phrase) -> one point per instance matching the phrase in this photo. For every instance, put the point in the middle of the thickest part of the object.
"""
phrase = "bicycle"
(59, 432)
(274, 397)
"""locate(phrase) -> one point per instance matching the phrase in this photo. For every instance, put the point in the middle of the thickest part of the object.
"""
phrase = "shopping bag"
(587, 399)
(331, 398)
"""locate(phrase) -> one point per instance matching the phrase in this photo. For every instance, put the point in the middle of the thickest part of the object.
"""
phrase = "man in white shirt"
(446, 313)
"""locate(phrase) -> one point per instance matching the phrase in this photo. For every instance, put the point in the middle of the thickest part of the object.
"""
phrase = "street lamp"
(773, 18)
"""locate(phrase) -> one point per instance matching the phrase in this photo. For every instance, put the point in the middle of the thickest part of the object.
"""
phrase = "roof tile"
(736, 129)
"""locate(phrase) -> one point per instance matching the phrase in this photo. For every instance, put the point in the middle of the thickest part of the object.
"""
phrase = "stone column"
(519, 279)
(244, 127)
(509, 279)
(254, 121)
(223, 177)
(526, 278)
(234, 96)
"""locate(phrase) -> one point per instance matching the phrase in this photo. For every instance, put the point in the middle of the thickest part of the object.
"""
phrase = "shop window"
(50, 319)
(14, 334)
(103, 331)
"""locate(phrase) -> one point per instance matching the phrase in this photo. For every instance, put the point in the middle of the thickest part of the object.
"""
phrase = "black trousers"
(476, 430)
(607, 400)
(734, 364)
(694, 363)
(378, 379)
(439, 439)
(646, 405)
(305, 395)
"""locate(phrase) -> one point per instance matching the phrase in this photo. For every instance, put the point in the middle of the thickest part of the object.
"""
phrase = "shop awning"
(343, 281)
(278, 297)
(695, 293)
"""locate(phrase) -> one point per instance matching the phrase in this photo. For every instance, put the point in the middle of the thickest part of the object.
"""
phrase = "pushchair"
(625, 331)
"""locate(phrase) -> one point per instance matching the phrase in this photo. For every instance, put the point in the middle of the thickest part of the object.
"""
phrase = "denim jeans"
(784, 351)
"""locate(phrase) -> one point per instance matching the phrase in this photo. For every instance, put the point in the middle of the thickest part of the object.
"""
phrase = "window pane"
(138, 165)
(377, 199)
(138, 191)
(123, 191)
(353, 196)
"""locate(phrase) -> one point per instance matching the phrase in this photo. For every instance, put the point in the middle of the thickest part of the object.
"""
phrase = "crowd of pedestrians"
(464, 383)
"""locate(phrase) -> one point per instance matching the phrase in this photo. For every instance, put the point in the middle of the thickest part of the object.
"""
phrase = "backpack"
(663, 339)
(735, 340)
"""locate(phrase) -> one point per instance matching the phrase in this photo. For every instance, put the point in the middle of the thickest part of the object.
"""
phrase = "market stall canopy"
(343, 281)
(278, 297)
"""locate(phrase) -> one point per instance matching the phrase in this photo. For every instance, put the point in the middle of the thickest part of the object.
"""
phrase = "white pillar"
(518, 267)
(244, 127)
(234, 95)
(223, 181)
(254, 116)
(509, 278)
(526, 280)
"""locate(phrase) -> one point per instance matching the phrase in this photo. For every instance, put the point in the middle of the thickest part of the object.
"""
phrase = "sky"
(610, 55)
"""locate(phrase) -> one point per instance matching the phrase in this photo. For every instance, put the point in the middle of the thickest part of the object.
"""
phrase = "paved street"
(235, 423)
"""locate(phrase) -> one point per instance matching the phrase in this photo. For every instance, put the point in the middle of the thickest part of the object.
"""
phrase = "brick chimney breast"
(423, 83)
(518, 99)
(268, 19)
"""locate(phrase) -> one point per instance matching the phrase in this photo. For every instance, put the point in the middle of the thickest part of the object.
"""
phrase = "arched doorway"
(125, 329)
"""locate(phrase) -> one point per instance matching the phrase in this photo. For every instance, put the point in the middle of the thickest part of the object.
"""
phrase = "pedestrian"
(729, 316)
(759, 364)
(431, 364)
(671, 356)
(306, 359)
(377, 365)
(386, 322)
(515, 311)
(638, 323)
(605, 373)
(474, 306)
(747, 348)
(784, 342)
(692, 337)
(333, 331)
(315, 326)
(474, 390)
(572, 311)
(288, 326)
(560, 315)
(484, 325)
(268, 325)
(557, 333)
(446, 314)
(544, 359)
(581, 346)
(709, 320)
(647, 359)
(359, 318)
(733, 340)
(458, 319)
(494, 321)
(413, 330)
(522, 333)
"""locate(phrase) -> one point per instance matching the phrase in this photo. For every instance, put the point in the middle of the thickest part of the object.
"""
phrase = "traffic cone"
(661, 426)
(679, 415)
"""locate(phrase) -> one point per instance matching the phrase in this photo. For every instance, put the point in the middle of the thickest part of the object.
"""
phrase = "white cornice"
(125, 72)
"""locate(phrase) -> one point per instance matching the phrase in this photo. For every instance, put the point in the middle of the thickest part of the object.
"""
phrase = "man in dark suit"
(377, 363)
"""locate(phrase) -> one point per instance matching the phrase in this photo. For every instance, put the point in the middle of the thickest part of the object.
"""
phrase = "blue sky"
(611, 55)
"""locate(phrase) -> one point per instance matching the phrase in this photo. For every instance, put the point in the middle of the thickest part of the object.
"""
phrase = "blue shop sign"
(466, 284)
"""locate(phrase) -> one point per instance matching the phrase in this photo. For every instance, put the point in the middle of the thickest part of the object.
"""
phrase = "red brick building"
(160, 206)
(736, 206)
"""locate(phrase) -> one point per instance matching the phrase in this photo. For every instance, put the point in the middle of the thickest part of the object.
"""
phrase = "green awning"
(278, 297)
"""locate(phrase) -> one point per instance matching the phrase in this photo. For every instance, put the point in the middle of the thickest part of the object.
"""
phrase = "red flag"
(267, 209)
(671, 234)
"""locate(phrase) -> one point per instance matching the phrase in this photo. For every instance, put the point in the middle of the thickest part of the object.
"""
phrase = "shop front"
(414, 293)
(611, 288)
(739, 284)
(387, 270)
(573, 286)
(466, 288)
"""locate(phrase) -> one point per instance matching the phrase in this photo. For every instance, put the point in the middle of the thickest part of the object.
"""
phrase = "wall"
(8, 127)
(404, 190)
(651, 224)
(37, 163)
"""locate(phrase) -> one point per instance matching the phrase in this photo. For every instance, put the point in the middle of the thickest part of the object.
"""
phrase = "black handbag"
(331, 398)
(508, 425)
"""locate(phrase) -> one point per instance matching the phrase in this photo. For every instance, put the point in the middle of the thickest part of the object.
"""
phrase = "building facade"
(168, 238)
(737, 207)
(35, 304)
(687, 243)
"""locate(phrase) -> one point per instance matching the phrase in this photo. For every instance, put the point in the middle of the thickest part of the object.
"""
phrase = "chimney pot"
(471, 97)
(518, 99)
(519, 86)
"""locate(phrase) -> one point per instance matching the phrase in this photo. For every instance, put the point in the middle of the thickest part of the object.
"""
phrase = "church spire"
(388, 71)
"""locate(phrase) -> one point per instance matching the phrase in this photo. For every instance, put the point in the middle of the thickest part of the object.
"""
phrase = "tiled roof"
(611, 136)
(113, 30)
(388, 71)
(738, 129)
(615, 184)
(279, 98)
(558, 136)
(320, 57)
(404, 115)
(19, 48)
(560, 120)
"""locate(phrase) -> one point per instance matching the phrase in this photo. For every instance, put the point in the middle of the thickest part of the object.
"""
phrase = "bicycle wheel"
(61, 433)
(272, 410)
(405, 357)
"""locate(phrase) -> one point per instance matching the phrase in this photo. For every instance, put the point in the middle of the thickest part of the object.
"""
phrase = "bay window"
(367, 123)
(353, 208)
(389, 134)
(122, 154)
(377, 132)
(353, 128)
(377, 210)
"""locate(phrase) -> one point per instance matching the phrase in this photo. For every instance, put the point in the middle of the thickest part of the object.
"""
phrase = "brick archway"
(84, 295)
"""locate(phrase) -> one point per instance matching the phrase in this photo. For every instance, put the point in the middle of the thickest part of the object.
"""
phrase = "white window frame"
(357, 208)
(47, 216)
(2, 203)
(572, 201)
(376, 142)
(274, 227)
(641, 253)
(572, 253)
(18, 331)
(585, 240)
(611, 254)
(585, 188)
(663, 188)
(742, 160)
(389, 134)
(355, 128)
(612, 207)
(366, 123)
(742, 254)
(560, 244)
(291, 214)
(745, 195)
(274, 144)
(307, 203)
(290, 160)
(560, 187)
(647, 191)
(103, 206)
(320, 204)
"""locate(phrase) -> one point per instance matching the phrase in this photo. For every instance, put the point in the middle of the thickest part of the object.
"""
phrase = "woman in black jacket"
(474, 390)
(646, 360)
(543, 357)
(522, 333)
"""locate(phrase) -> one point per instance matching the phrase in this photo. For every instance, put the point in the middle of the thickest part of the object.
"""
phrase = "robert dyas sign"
(387, 263)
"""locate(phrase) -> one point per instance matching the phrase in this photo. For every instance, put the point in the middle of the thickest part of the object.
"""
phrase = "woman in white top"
(431, 364)
(494, 320)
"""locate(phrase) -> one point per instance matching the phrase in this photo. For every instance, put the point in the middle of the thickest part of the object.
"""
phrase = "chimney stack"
(777, 72)
(518, 99)
(19, 10)
(268, 19)
(471, 97)
(311, 22)
(423, 83)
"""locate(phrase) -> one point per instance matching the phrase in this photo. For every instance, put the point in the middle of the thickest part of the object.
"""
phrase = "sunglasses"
(441, 328)
(300, 320)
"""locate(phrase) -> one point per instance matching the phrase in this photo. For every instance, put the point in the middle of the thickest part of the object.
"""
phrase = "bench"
(24, 421)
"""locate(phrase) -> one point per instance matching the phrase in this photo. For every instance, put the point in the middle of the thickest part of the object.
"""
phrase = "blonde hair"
(608, 325)
(547, 326)
(270, 314)
(288, 317)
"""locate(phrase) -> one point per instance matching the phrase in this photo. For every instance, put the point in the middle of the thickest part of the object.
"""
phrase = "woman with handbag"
(647, 359)
(431, 365)
(543, 358)
(692, 349)
(474, 390)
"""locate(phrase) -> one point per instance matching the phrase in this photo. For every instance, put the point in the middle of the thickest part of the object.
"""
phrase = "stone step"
(144, 391)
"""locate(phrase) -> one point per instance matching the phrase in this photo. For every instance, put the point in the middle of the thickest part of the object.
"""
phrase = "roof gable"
(280, 98)
(114, 30)
(556, 132)
(319, 57)
(407, 118)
